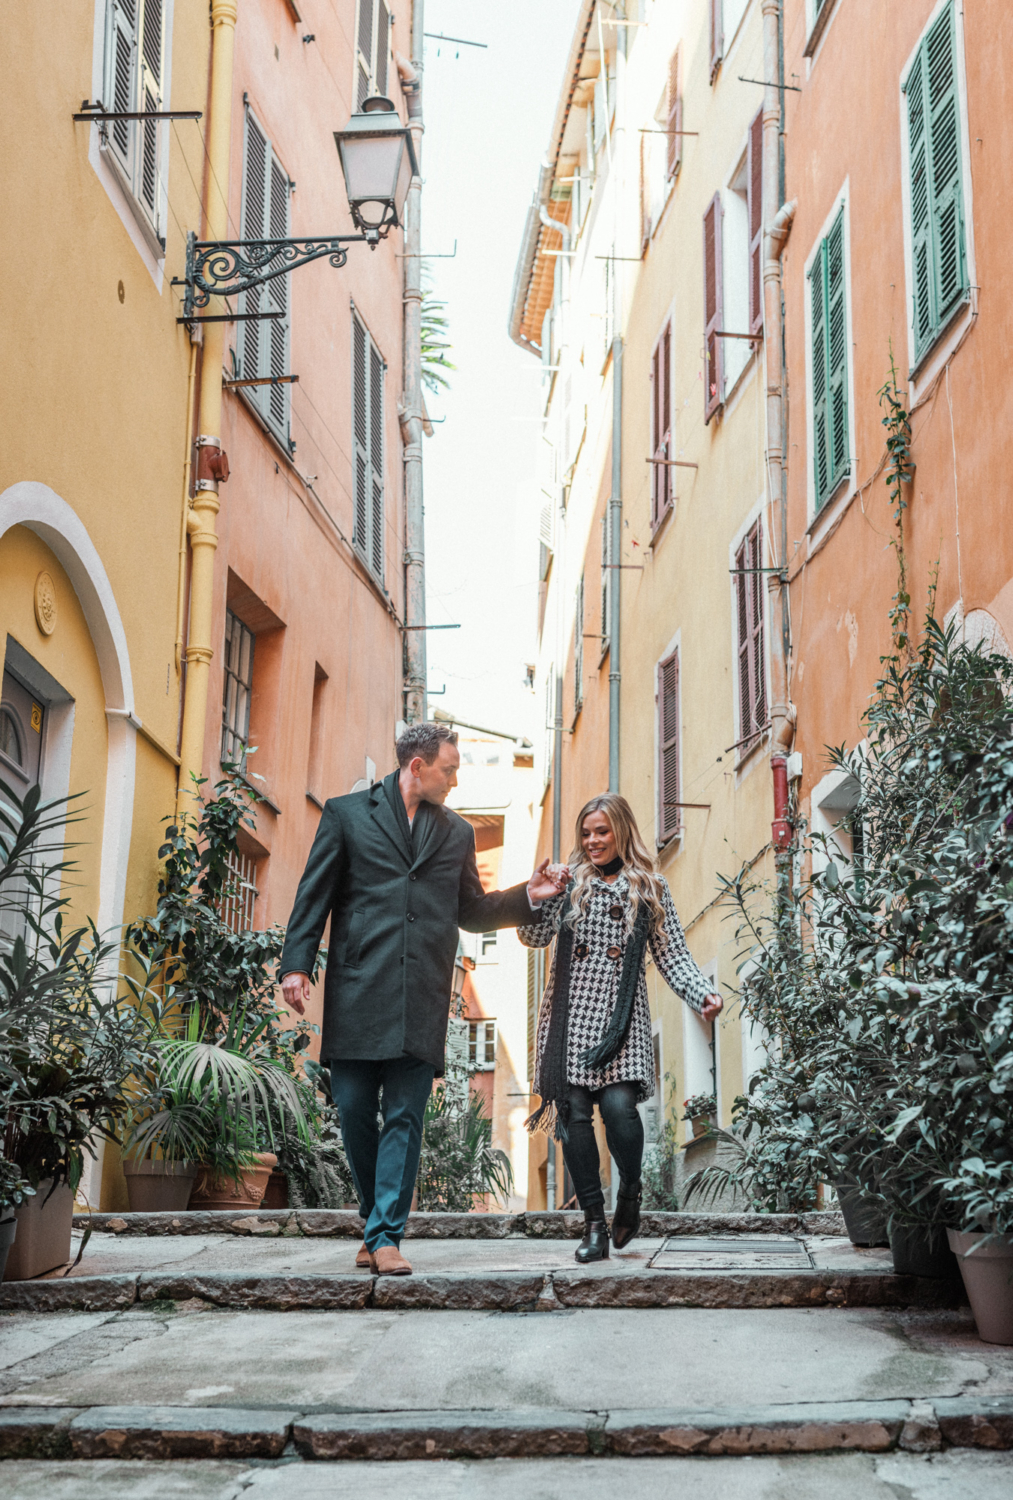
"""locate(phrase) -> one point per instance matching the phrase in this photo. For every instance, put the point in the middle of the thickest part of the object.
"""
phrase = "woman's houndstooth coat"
(594, 983)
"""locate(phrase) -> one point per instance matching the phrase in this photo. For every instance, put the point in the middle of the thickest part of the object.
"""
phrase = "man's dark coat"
(395, 905)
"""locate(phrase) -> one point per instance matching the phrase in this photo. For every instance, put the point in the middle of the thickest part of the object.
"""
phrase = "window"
(938, 241)
(661, 427)
(754, 208)
(713, 301)
(829, 363)
(487, 945)
(372, 53)
(367, 432)
(239, 901)
(481, 1046)
(237, 687)
(314, 769)
(669, 821)
(608, 298)
(673, 155)
(578, 649)
(717, 35)
(606, 580)
(264, 346)
(749, 600)
(550, 722)
(135, 52)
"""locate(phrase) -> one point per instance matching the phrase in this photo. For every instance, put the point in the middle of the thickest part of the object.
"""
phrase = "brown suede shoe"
(362, 1259)
(388, 1261)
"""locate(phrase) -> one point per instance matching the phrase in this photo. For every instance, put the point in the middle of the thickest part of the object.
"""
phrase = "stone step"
(174, 1432)
(346, 1224)
(515, 1291)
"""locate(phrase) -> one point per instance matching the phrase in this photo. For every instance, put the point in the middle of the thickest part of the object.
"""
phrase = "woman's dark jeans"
(624, 1132)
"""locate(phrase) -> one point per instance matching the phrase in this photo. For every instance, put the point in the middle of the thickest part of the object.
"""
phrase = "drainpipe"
(415, 547)
(559, 566)
(778, 229)
(212, 463)
(615, 509)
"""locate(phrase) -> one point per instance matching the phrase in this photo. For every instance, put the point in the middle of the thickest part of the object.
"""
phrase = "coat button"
(616, 913)
(580, 951)
(412, 875)
(411, 916)
(614, 952)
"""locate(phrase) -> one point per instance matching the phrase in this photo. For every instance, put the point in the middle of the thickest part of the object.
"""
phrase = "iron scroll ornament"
(224, 268)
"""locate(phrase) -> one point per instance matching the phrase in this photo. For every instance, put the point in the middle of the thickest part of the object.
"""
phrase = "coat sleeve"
(315, 896)
(478, 911)
(544, 923)
(674, 960)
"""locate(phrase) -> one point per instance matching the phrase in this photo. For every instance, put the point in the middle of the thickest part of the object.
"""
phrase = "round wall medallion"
(45, 603)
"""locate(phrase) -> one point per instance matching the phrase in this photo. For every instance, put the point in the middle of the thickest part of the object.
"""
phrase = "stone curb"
(346, 1224)
(478, 1291)
(167, 1432)
(449, 1434)
(179, 1432)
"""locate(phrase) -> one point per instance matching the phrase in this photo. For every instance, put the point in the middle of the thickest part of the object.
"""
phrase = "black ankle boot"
(595, 1244)
(626, 1219)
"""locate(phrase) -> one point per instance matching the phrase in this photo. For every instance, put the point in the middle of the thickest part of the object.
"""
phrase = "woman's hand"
(712, 1007)
(547, 881)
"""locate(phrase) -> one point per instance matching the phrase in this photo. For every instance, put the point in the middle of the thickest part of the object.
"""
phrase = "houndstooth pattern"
(594, 985)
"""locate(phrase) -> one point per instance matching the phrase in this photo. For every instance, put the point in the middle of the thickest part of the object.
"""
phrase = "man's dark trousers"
(384, 1163)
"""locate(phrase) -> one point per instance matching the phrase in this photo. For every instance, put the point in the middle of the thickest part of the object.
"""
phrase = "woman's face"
(597, 839)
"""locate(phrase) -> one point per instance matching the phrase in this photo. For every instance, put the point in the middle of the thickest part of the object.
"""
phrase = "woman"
(594, 1030)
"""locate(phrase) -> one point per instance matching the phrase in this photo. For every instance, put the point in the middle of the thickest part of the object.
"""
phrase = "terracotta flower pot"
(223, 1195)
(276, 1195)
(702, 1124)
(988, 1281)
(155, 1187)
(43, 1233)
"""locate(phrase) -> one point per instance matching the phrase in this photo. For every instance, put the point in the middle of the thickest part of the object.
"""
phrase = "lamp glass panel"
(404, 177)
(371, 166)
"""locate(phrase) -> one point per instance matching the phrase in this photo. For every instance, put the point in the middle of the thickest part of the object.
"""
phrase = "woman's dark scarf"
(552, 1115)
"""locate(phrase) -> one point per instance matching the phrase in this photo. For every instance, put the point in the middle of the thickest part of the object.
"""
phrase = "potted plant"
(14, 1190)
(459, 1165)
(69, 1045)
(701, 1110)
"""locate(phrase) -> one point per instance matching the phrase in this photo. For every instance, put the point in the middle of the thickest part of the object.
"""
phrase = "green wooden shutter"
(367, 443)
(939, 260)
(829, 363)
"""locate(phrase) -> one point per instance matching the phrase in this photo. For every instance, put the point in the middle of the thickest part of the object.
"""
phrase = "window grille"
(237, 688)
(135, 50)
(265, 347)
(239, 901)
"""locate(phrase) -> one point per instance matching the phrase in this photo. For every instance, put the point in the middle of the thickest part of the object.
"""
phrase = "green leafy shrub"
(459, 1163)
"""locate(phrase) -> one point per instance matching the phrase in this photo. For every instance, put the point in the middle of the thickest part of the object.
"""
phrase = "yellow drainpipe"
(212, 467)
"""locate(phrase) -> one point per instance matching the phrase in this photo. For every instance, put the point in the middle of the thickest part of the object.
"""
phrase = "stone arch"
(41, 510)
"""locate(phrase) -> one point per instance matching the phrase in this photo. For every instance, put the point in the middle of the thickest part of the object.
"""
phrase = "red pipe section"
(780, 828)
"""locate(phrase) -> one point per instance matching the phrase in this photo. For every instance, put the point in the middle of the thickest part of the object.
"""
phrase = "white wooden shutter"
(578, 647)
(713, 298)
(668, 747)
(121, 73)
(754, 209)
(364, 57)
(150, 99)
(661, 420)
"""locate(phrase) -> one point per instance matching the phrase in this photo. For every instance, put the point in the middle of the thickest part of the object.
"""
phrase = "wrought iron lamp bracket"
(224, 268)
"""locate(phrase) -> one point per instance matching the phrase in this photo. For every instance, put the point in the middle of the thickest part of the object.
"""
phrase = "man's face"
(437, 781)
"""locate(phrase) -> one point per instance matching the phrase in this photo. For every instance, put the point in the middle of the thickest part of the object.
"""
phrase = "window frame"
(230, 674)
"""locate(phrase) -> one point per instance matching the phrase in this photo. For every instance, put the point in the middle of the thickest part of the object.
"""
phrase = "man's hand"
(712, 1007)
(296, 990)
(547, 881)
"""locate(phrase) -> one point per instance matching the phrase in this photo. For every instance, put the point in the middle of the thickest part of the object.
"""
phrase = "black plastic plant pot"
(919, 1250)
(8, 1231)
(863, 1219)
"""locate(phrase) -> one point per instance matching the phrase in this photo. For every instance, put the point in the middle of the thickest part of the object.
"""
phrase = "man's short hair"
(423, 740)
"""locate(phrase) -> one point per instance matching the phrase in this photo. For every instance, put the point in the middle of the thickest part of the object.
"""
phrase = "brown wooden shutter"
(754, 197)
(674, 116)
(668, 747)
(717, 35)
(661, 421)
(750, 593)
(713, 299)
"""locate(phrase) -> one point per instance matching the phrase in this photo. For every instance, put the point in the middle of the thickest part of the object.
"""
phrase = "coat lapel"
(438, 827)
(388, 820)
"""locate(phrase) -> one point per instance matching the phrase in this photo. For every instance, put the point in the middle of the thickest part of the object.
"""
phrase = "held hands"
(296, 990)
(547, 881)
(712, 1007)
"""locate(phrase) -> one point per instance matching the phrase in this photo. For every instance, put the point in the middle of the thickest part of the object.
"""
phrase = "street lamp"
(378, 160)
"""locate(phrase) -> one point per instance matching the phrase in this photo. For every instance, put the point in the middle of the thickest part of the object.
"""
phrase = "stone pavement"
(182, 1360)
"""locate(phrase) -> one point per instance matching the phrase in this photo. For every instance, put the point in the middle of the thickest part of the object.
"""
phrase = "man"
(396, 873)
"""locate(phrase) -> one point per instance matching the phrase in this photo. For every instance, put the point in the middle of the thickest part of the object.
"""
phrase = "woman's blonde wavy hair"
(638, 866)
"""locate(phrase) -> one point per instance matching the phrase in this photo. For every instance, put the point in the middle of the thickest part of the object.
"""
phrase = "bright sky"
(487, 114)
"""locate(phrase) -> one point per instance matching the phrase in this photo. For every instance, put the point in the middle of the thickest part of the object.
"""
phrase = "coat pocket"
(353, 942)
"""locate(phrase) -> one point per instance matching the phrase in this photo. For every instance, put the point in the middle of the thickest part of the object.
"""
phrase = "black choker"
(612, 868)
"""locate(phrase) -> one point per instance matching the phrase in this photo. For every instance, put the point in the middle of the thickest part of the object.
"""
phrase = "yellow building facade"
(646, 309)
(97, 384)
